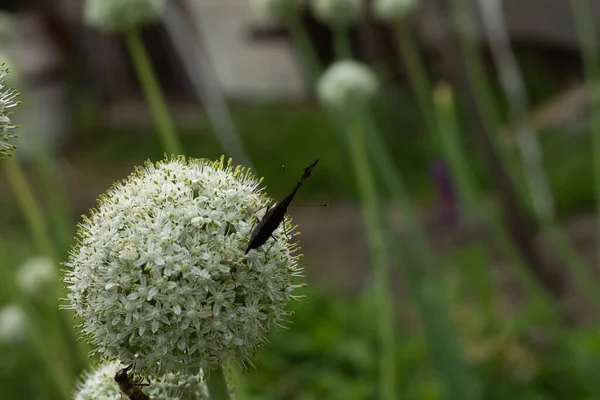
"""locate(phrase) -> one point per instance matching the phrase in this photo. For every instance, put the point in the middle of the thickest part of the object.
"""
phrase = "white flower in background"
(118, 15)
(159, 275)
(337, 12)
(279, 10)
(13, 324)
(347, 83)
(36, 274)
(100, 385)
(7, 101)
(389, 10)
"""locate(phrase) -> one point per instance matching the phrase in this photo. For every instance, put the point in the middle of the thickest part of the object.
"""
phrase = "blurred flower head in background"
(119, 15)
(337, 12)
(13, 324)
(7, 101)
(346, 84)
(36, 274)
(279, 10)
(100, 384)
(159, 273)
(390, 10)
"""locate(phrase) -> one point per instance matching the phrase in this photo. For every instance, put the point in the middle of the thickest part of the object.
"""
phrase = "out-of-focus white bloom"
(119, 15)
(100, 385)
(36, 274)
(337, 12)
(279, 10)
(389, 10)
(159, 274)
(13, 324)
(347, 83)
(7, 101)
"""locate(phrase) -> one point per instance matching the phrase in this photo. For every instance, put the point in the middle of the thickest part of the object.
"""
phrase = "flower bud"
(337, 12)
(390, 10)
(36, 274)
(101, 384)
(346, 84)
(279, 10)
(13, 324)
(119, 15)
(7, 101)
(159, 276)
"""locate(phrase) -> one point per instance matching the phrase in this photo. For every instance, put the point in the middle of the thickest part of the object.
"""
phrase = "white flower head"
(100, 384)
(347, 83)
(337, 12)
(159, 276)
(390, 10)
(279, 10)
(13, 324)
(7, 102)
(119, 15)
(36, 274)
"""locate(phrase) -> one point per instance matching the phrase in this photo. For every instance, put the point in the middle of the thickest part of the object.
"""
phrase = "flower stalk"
(152, 91)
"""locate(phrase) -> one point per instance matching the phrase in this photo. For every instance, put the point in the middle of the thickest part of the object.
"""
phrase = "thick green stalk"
(482, 92)
(153, 93)
(306, 49)
(342, 43)
(30, 209)
(217, 385)
(470, 204)
(418, 263)
(416, 71)
(371, 209)
(584, 22)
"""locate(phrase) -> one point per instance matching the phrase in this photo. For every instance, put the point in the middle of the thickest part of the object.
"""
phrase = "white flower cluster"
(279, 10)
(389, 10)
(100, 385)
(337, 12)
(347, 83)
(7, 101)
(119, 15)
(159, 275)
(36, 274)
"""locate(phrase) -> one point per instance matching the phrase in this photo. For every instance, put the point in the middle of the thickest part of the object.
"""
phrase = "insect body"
(275, 215)
(128, 386)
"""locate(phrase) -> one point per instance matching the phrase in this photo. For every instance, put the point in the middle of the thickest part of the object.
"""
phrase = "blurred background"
(508, 211)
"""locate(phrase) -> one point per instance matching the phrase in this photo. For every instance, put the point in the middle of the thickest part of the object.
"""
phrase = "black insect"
(128, 386)
(275, 215)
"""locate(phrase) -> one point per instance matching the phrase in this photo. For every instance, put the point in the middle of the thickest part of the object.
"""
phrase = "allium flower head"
(119, 15)
(279, 10)
(159, 275)
(347, 83)
(337, 12)
(100, 385)
(13, 324)
(36, 274)
(389, 10)
(7, 101)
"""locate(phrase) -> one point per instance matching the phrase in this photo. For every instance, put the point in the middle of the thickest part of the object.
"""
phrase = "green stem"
(342, 43)
(55, 190)
(30, 209)
(355, 127)
(482, 92)
(584, 22)
(471, 209)
(306, 49)
(416, 71)
(217, 385)
(152, 91)
(61, 379)
(452, 369)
